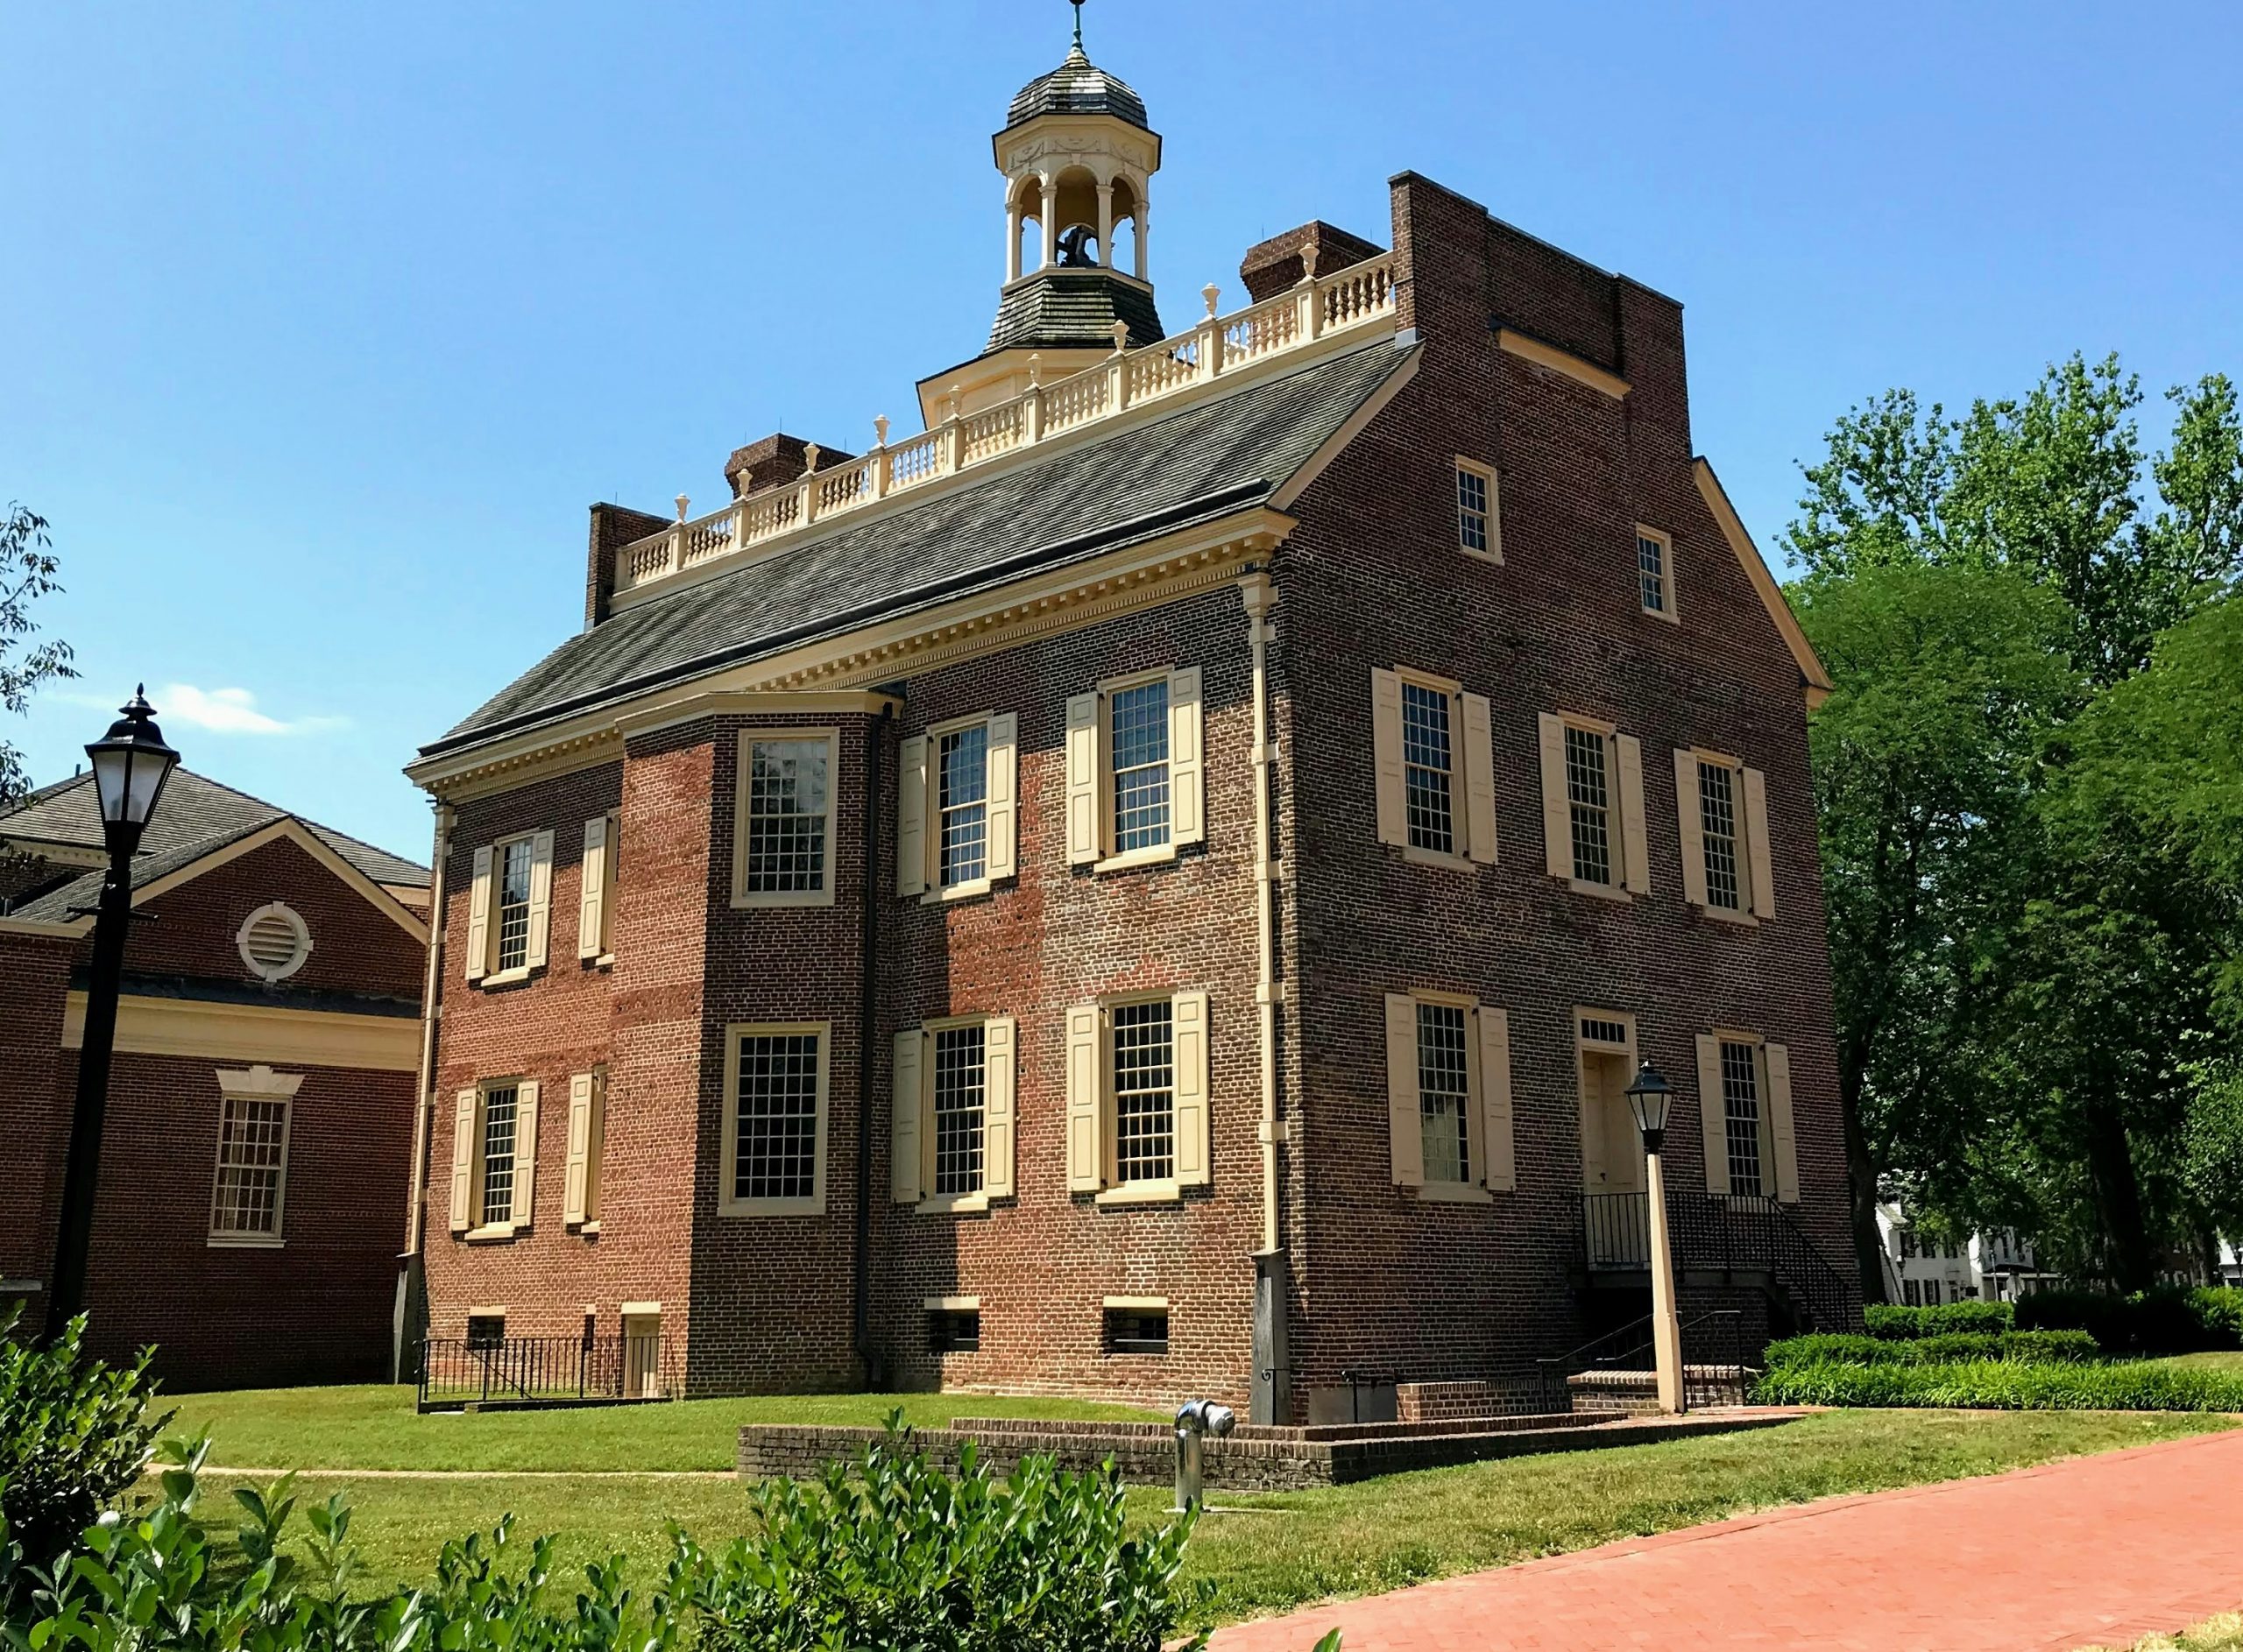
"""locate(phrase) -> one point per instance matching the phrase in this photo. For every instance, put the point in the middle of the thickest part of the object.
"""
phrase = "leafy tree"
(27, 572)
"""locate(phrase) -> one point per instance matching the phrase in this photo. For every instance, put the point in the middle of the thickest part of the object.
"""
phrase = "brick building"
(1156, 884)
(261, 1110)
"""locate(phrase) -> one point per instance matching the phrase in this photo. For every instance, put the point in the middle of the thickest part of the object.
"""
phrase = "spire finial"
(1078, 5)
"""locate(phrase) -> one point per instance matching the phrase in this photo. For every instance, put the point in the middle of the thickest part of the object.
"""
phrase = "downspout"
(1271, 1399)
(867, 1012)
(412, 1277)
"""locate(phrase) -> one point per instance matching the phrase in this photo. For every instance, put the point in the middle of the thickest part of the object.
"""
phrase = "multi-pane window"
(1474, 512)
(961, 1067)
(789, 800)
(252, 1150)
(1651, 571)
(1717, 826)
(954, 1331)
(1740, 1097)
(1588, 797)
(1137, 1329)
(774, 1140)
(1444, 1092)
(962, 804)
(1911, 1292)
(512, 900)
(1425, 768)
(1140, 735)
(501, 1117)
(1145, 1091)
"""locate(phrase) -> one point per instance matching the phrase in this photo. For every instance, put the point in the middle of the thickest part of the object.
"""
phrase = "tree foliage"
(27, 572)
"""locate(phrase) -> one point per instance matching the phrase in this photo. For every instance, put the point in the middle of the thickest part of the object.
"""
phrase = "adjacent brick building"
(1157, 884)
(260, 1111)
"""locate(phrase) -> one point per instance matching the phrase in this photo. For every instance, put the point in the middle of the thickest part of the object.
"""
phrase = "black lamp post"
(1648, 1098)
(130, 765)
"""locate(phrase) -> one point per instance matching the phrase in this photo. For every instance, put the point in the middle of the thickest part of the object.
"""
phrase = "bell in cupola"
(1078, 154)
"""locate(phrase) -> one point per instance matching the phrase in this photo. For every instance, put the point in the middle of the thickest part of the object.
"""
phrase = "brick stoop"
(1635, 1393)
(1253, 1458)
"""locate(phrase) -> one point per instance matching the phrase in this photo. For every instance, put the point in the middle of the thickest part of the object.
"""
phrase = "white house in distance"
(1921, 1270)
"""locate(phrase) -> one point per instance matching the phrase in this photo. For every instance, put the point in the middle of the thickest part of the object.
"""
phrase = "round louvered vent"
(274, 942)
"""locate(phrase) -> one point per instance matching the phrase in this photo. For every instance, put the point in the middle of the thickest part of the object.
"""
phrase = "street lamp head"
(130, 765)
(1648, 1098)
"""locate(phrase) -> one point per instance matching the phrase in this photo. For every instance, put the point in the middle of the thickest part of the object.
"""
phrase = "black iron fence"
(1728, 1235)
(1617, 1226)
(1713, 1360)
(545, 1371)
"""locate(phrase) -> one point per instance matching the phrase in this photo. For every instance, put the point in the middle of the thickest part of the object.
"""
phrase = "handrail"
(1317, 305)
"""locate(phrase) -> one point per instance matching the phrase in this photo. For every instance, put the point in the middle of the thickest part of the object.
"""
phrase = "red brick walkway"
(2092, 1552)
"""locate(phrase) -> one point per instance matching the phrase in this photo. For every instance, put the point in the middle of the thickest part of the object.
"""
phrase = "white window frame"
(814, 1204)
(257, 1085)
(1749, 805)
(1490, 1148)
(470, 1224)
(1492, 528)
(492, 975)
(1626, 834)
(1666, 543)
(1091, 748)
(743, 800)
(1191, 1081)
(1778, 1122)
(1000, 1116)
(919, 832)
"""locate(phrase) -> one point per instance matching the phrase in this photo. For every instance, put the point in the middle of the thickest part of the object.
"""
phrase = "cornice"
(253, 1034)
(1526, 346)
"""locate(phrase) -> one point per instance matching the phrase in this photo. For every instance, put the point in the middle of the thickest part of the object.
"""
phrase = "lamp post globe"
(1648, 1096)
(130, 763)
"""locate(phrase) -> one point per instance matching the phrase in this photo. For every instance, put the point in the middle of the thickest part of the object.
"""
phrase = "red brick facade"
(317, 1305)
(1370, 577)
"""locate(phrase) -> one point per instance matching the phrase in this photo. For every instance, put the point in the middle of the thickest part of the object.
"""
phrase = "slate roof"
(194, 817)
(1077, 87)
(1072, 309)
(1201, 461)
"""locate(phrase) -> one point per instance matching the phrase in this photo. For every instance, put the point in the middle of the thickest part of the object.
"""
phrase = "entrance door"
(643, 1356)
(1612, 1158)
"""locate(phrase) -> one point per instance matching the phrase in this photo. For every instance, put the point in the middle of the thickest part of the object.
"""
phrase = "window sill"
(1666, 616)
(1416, 856)
(246, 1242)
(1168, 1192)
(605, 961)
(587, 1230)
(959, 891)
(504, 978)
(1455, 1193)
(953, 1205)
(1493, 555)
(1156, 856)
(1723, 914)
(732, 1208)
(1601, 891)
(492, 1234)
(792, 898)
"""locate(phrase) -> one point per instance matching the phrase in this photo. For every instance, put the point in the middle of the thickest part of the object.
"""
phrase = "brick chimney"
(774, 460)
(1275, 264)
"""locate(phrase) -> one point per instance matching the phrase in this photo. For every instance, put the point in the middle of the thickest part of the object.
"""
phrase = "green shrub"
(2072, 1345)
(1907, 1324)
(1840, 1347)
(2007, 1385)
(74, 1433)
(1953, 1346)
(2170, 1319)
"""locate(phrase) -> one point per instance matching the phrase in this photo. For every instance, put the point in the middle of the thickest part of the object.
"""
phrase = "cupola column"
(1050, 224)
(1106, 221)
(1012, 234)
(1144, 231)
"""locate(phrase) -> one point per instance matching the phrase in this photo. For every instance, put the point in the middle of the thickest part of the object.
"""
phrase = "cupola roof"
(1078, 86)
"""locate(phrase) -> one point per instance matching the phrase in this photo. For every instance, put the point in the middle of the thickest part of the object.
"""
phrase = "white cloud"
(228, 711)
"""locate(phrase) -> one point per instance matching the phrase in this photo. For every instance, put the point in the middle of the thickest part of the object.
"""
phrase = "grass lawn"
(2229, 1361)
(2223, 1633)
(1282, 1551)
(374, 1426)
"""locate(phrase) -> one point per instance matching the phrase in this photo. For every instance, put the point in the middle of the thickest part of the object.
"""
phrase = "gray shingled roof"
(194, 817)
(1073, 309)
(1201, 461)
(1077, 87)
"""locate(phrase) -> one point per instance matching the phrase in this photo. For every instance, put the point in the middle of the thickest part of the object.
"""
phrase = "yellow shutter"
(464, 1158)
(1756, 843)
(479, 916)
(541, 897)
(598, 1144)
(1405, 1122)
(1086, 1071)
(1084, 828)
(524, 1151)
(1692, 824)
(1637, 876)
(1498, 1165)
(1187, 783)
(1557, 816)
(1386, 757)
(1480, 777)
(1000, 1082)
(1713, 1116)
(911, 795)
(591, 890)
(1781, 1127)
(1004, 795)
(577, 1187)
(905, 1098)
(1194, 1137)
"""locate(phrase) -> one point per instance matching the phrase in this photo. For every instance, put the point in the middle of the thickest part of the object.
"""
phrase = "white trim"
(1137, 1303)
(953, 1304)
(287, 914)
(735, 1034)
(1493, 513)
(743, 799)
(256, 1085)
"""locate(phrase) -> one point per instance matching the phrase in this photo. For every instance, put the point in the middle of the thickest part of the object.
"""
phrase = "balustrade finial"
(1036, 370)
(1210, 293)
(880, 429)
(957, 399)
(1308, 261)
(682, 502)
(811, 451)
(1121, 338)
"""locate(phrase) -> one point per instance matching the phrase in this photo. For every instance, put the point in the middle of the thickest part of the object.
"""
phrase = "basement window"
(1137, 1329)
(486, 1330)
(954, 1331)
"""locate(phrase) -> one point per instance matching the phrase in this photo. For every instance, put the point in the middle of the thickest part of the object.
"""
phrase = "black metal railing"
(1617, 1229)
(1713, 1360)
(545, 1371)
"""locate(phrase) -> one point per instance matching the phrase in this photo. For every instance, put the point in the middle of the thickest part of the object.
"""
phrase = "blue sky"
(320, 325)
